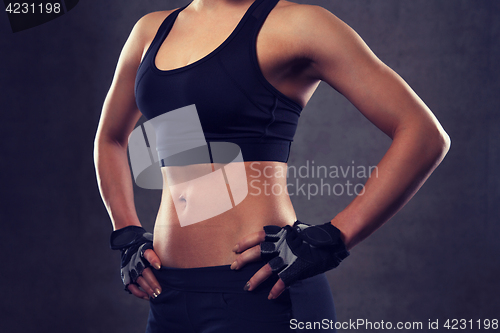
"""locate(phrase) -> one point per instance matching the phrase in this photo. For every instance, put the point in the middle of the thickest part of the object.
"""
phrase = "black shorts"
(212, 300)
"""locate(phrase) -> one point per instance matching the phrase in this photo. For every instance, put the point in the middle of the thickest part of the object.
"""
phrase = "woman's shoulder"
(144, 31)
(300, 13)
(304, 27)
(304, 20)
(148, 24)
(155, 17)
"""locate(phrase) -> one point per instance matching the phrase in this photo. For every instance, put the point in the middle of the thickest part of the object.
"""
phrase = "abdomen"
(201, 219)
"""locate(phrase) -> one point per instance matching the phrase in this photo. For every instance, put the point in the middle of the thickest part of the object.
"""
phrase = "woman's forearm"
(414, 153)
(115, 182)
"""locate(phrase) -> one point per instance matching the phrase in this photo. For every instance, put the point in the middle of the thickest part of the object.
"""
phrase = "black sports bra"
(235, 103)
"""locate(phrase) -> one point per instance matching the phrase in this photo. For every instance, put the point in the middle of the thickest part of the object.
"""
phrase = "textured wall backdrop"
(437, 259)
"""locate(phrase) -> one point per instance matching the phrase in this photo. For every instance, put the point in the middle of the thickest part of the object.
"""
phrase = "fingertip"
(157, 265)
(236, 248)
(277, 289)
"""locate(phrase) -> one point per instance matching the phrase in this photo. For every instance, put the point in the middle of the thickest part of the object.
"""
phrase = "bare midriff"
(210, 241)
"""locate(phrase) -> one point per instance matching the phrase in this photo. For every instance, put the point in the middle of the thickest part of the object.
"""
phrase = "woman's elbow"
(438, 143)
(446, 141)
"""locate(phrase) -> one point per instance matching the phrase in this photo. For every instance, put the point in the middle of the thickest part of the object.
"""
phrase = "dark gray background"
(437, 259)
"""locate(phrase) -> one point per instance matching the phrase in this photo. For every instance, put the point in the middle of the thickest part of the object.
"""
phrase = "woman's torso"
(209, 242)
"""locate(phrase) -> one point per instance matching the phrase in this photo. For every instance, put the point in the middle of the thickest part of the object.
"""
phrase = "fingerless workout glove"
(302, 250)
(133, 241)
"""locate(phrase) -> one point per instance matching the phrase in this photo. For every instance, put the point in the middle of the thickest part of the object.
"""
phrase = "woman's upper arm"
(341, 58)
(120, 112)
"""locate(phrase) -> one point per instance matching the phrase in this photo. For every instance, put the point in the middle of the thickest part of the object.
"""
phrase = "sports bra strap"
(262, 10)
(164, 29)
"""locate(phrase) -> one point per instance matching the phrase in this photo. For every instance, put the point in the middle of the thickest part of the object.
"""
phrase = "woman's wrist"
(347, 233)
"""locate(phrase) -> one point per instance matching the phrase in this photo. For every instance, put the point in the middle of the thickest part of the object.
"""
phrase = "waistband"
(213, 278)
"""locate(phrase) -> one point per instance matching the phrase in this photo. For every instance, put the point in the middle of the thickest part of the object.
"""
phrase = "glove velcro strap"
(128, 236)
(322, 236)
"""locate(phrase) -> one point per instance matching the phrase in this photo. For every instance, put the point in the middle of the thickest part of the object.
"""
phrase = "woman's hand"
(249, 250)
(149, 286)
(294, 252)
(137, 254)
